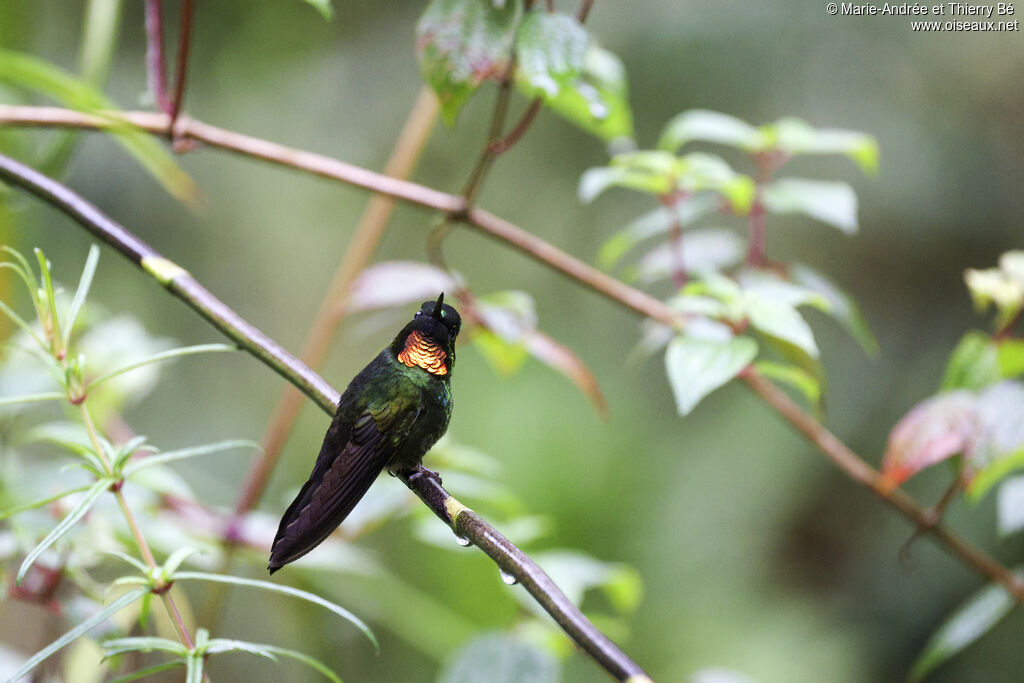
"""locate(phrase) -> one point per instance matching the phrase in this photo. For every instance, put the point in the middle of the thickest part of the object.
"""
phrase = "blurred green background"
(756, 554)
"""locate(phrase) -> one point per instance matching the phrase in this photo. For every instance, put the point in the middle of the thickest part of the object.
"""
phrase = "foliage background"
(756, 554)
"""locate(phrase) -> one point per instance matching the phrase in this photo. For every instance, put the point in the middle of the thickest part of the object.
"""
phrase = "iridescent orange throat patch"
(424, 353)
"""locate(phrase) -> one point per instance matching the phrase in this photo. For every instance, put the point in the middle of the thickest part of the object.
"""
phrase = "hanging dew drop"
(508, 578)
(463, 541)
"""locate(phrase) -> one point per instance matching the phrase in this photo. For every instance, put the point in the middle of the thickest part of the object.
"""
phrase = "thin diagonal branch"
(427, 486)
(532, 246)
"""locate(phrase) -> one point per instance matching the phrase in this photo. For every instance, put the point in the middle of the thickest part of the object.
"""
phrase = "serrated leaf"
(974, 363)
(968, 622)
(597, 101)
(285, 590)
(83, 628)
(934, 430)
(35, 74)
(550, 48)
(656, 222)
(500, 659)
(461, 43)
(696, 367)
(708, 126)
(65, 525)
(842, 307)
(779, 319)
(830, 202)
(397, 283)
(795, 136)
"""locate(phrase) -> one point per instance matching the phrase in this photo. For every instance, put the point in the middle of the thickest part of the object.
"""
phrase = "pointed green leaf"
(798, 378)
(993, 473)
(160, 357)
(708, 126)
(696, 367)
(974, 363)
(656, 222)
(841, 305)
(35, 74)
(83, 628)
(92, 494)
(702, 251)
(968, 622)
(550, 47)
(597, 101)
(83, 290)
(33, 398)
(324, 7)
(175, 559)
(182, 454)
(278, 588)
(778, 319)
(147, 672)
(119, 646)
(271, 652)
(830, 202)
(11, 511)
(794, 136)
(461, 43)
(596, 180)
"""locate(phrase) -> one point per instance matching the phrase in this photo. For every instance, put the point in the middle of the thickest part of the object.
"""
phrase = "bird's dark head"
(428, 341)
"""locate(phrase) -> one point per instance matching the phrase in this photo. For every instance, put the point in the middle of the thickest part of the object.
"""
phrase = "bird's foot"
(420, 472)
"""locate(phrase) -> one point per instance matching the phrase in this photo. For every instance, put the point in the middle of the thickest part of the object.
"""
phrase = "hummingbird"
(390, 415)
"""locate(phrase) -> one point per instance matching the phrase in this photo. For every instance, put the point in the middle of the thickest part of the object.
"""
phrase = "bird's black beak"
(436, 314)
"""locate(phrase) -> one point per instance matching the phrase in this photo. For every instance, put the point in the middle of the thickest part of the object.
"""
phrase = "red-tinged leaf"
(564, 360)
(935, 430)
(461, 43)
(396, 283)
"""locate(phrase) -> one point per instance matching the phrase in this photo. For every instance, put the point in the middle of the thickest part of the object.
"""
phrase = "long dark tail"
(323, 503)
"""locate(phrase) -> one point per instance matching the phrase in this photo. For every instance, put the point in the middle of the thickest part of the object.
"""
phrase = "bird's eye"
(443, 313)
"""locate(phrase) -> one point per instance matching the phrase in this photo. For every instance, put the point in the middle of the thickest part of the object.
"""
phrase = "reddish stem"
(155, 67)
(181, 66)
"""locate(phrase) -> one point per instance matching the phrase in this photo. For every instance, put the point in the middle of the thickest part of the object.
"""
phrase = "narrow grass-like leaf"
(51, 298)
(65, 525)
(175, 559)
(11, 511)
(171, 456)
(119, 646)
(194, 669)
(41, 76)
(286, 590)
(20, 272)
(83, 290)
(968, 622)
(148, 671)
(159, 357)
(125, 450)
(135, 562)
(271, 652)
(83, 628)
(20, 322)
(33, 398)
(308, 660)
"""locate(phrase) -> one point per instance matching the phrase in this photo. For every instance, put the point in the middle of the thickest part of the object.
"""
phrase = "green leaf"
(708, 126)
(35, 74)
(596, 180)
(119, 646)
(779, 319)
(505, 357)
(219, 645)
(656, 222)
(90, 497)
(51, 301)
(795, 136)
(798, 378)
(550, 48)
(696, 367)
(830, 202)
(397, 283)
(182, 454)
(160, 357)
(147, 671)
(33, 398)
(17, 509)
(974, 363)
(461, 43)
(841, 305)
(1010, 358)
(138, 564)
(194, 668)
(83, 290)
(83, 628)
(699, 171)
(993, 473)
(20, 322)
(702, 251)
(286, 590)
(597, 101)
(500, 658)
(968, 622)
(324, 7)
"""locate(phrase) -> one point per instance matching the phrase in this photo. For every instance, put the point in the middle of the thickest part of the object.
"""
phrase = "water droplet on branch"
(508, 578)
